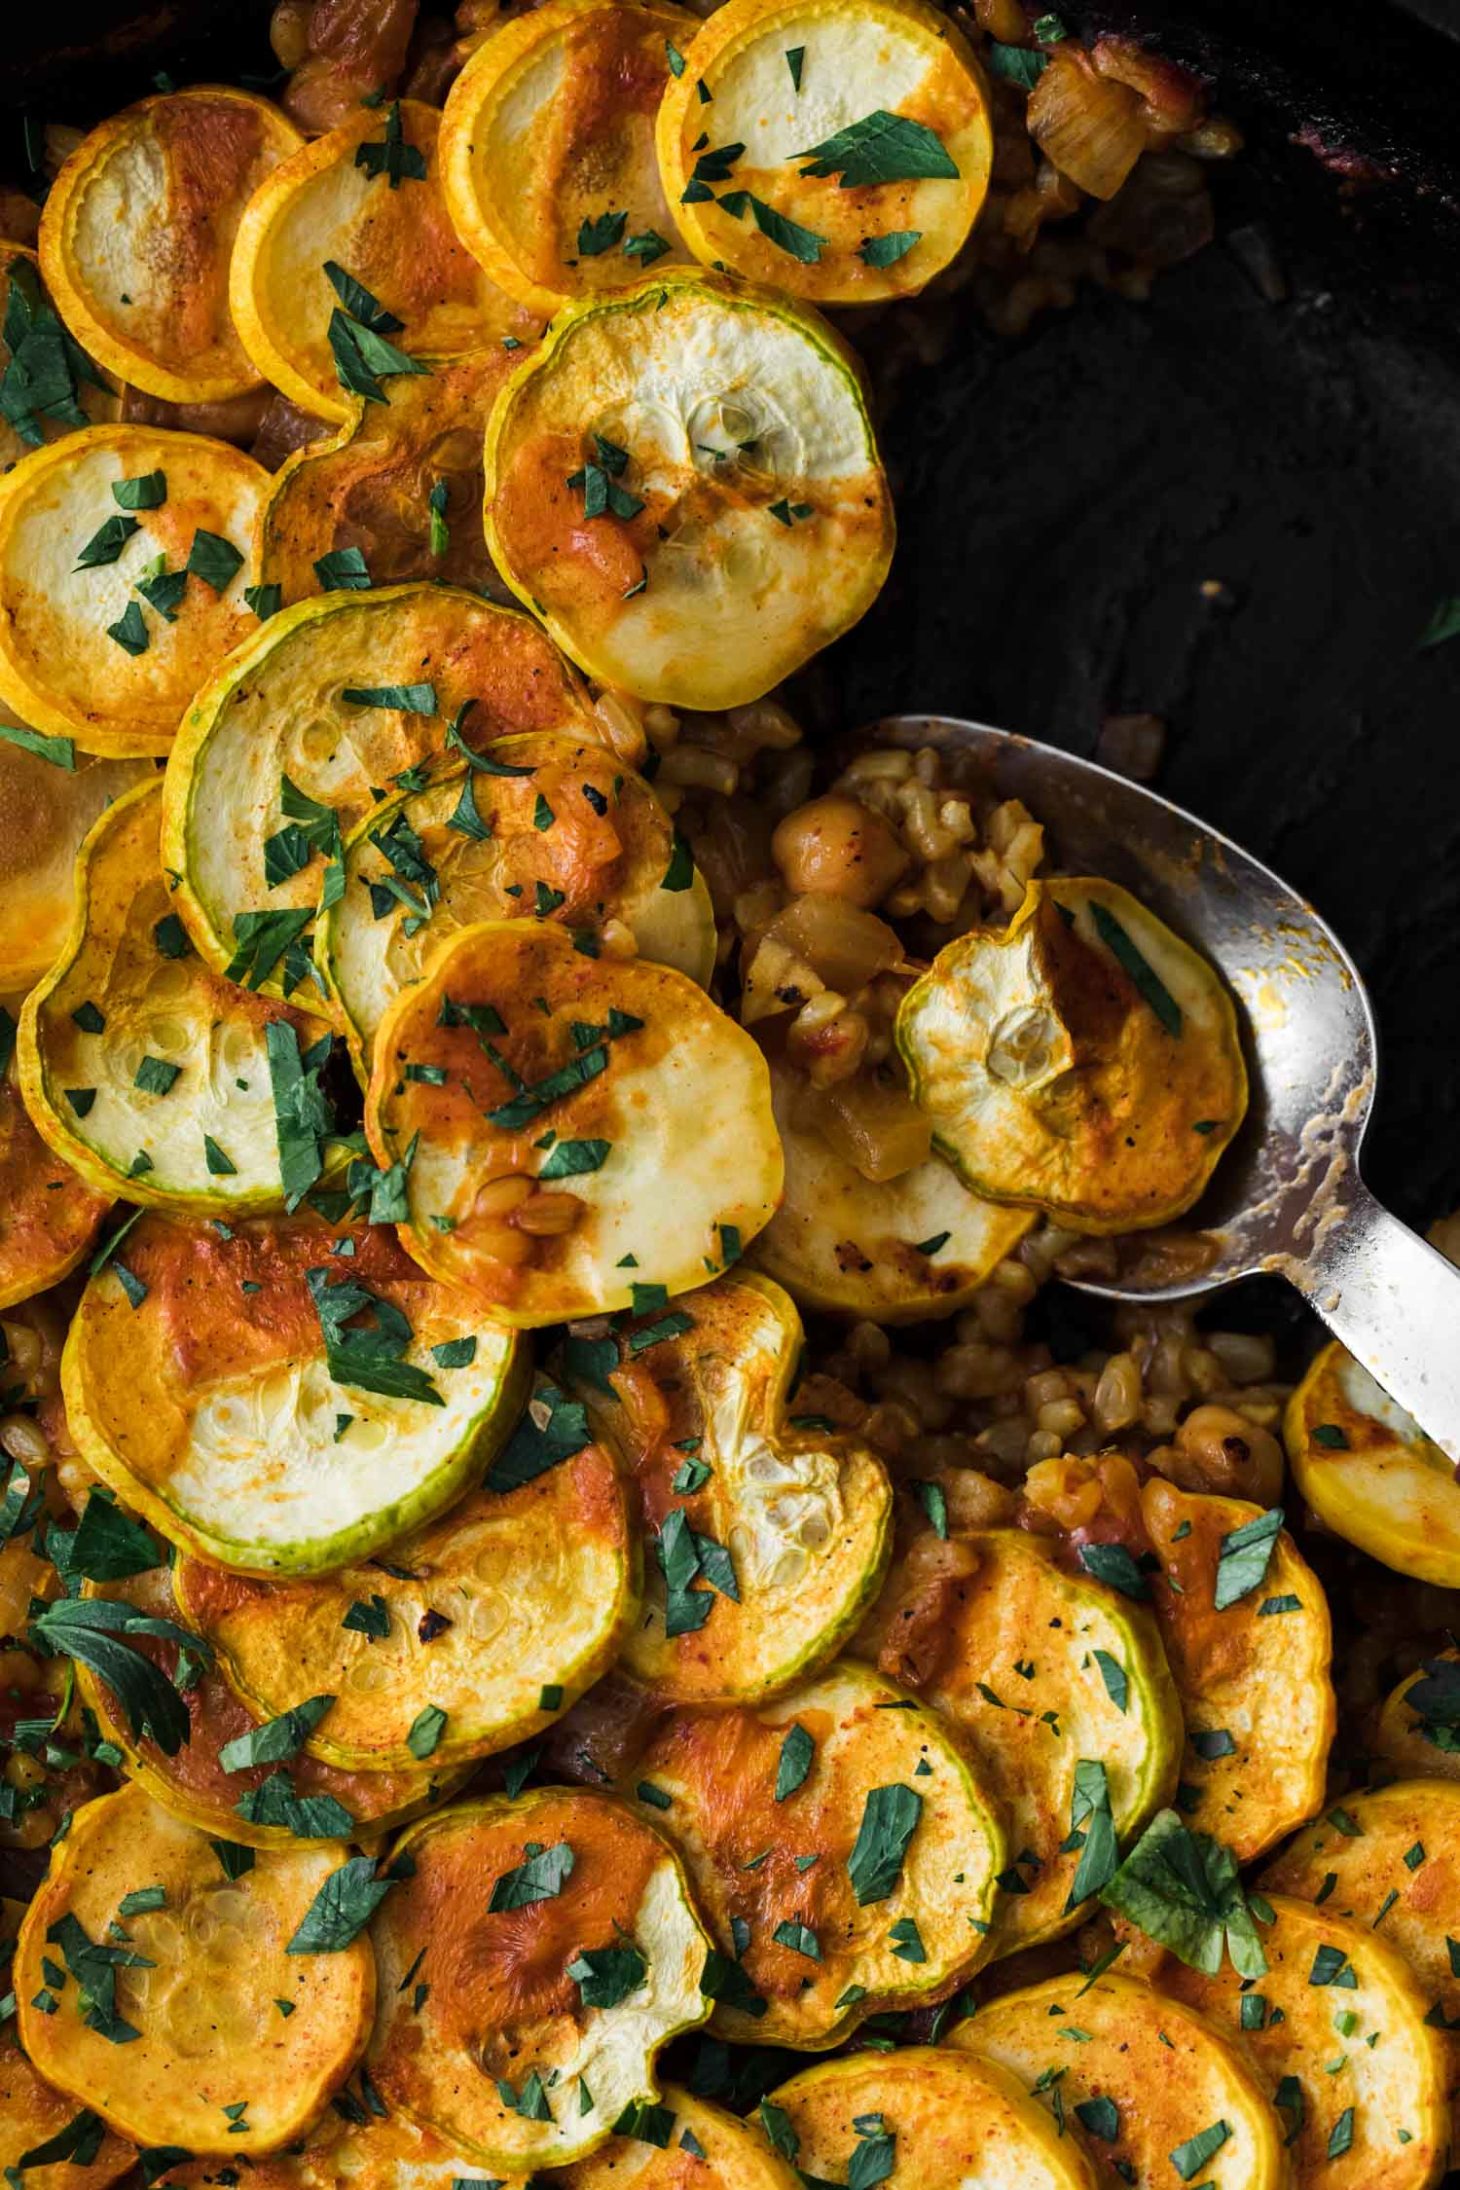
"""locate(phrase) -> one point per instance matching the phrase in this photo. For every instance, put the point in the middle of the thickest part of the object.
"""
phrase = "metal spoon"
(1287, 1196)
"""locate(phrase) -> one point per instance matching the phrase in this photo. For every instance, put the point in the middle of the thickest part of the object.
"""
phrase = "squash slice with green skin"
(544, 2012)
(728, 2154)
(212, 1960)
(45, 812)
(95, 403)
(198, 1386)
(1139, 2076)
(1369, 1472)
(1418, 1727)
(490, 1621)
(890, 95)
(49, 1221)
(988, 1629)
(349, 2148)
(1083, 1061)
(562, 813)
(144, 1070)
(520, 1066)
(683, 482)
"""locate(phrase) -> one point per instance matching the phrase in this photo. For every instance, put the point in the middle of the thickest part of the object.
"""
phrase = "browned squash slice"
(705, 2149)
(1418, 1727)
(48, 1219)
(45, 812)
(1369, 1472)
(350, 2145)
(35, 2118)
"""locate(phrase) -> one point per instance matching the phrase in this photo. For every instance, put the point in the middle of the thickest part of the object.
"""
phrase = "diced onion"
(1090, 126)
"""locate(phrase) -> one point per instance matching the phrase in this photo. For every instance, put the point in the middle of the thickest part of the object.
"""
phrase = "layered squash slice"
(1369, 1472)
(727, 2153)
(1418, 1726)
(355, 2144)
(48, 1221)
(46, 2140)
(46, 809)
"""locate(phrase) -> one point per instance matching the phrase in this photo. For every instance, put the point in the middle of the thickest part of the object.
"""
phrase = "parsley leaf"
(553, 1429)
(889, 1820)
(369, 1359)
(276, 1741)
(341, 1909)
(1183, 1889)
(540, 1877)
(393, 157)
(605, 1976)
(881, 148)
(1243, 1559)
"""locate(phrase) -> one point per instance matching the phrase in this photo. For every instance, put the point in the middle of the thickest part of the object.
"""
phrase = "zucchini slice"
(850, 147)
(1042, 1671)
(401, 483)
(521, 1594)
(866, 1883)
(948, 2118)
(32, 2113)
(1144, 2078)
(1083, 1061)
(45, 812)
(517, 1058)
(349, 2146)
(199, 1387)
(137, 231)
(895, 1250)
(547, 148)
(775, 1532)
(1336, 2027)
(174, 1059)
(1253, 1677)
(85, 653)
(167, 2049)
(728, 2154)
(1369, 1472)
(83, 398)
(366, 201)
(48, 1219)
(684, 483)
(1418, 1727)
(508, 2053)
(562, 813)
(277, 728)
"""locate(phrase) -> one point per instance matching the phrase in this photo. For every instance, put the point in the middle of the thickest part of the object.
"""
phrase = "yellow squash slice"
(1370, 1473)
(198, 1384)
(48, 1219)
(1336, 2027)
(45, 811)
(1083, 1061)
(770, 1535)
(684, 483)
(335, 699)
(86, 651)
(33, 2116)
(137, 231)
(706, 2149)
(1418, 1728)
(1145, 2080)
(177, 2038)
(559, 1948)
(951, 2118)
(1059, 1685)
(28, 316)
(558, 812)
(547, 148)
(350, 2148)
(144, 1070)
(366, 201)
(839, 152)
(550, 1099)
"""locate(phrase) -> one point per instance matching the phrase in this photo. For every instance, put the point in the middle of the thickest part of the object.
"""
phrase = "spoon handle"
(1395, 1304)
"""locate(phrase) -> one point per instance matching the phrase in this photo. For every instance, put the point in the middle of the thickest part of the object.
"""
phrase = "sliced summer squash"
(80, 400)
(85, 653)
(277, 743)
(726, 2154)
(184, 2043)
(1059, 1685)
(364, 200)
(33, 2115)
(474, 846)
(547, 148)
(48, 1220)
(198, 1386)
(1083, 1061)
(683, 482)
(351, 2147)
(771, 1535)
(144, 1070)
(1143, 2078)
(488, 1623)
(137, 231)
(508, 2052)
(1418, 1727)
(518, 1059)
(1370, 1473)
(849, 148)
(45, 812)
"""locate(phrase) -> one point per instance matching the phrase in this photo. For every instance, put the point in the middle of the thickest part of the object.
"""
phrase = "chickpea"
(835, 847)
(1219, 1450)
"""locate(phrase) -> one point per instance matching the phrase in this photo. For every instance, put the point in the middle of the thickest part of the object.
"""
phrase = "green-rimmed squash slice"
(1369, 1472)
(85, 652)
(1059, 1685)
(550, 1098)
(487, 1624)
(401, 483)
(474, 847)
(45, 812)
(849, 147)
(840, 1845)
(1252, 1674)
(924, 2115)
(1143, 2078)
(706, 2149)
(200, 1387)
(351, 2147)
(274, 746)
(560, 1948)
(166, 2040)
(771, 1536)
(1418, 1725)
(1083, 1061)
(1336, 2027)
(683, 482)
(145, 1070)
(83, 400)
(48, 1219)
